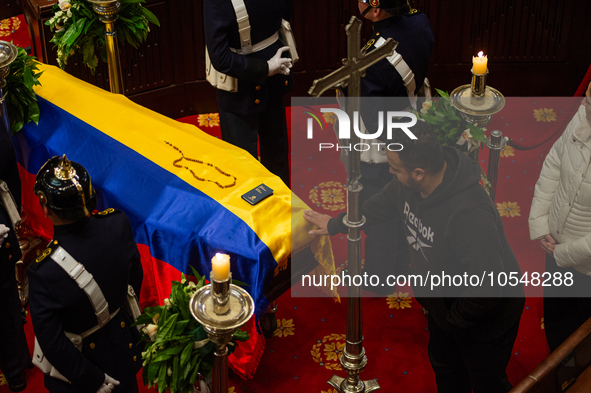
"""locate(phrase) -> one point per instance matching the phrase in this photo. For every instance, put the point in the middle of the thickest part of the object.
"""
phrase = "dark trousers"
(14, 351)
(271, 129)
(464, 365)
(566, 308)
(386, 248)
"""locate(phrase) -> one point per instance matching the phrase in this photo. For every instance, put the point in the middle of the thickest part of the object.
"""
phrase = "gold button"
(122, 324)
(286, 83)
(55, 242)
(257, 101)
(258, 88)
(7, 245)
(130, 345)
(92, 345)
(134, 358)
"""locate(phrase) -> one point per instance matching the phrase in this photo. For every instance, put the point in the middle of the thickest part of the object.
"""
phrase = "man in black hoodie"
(453, 229)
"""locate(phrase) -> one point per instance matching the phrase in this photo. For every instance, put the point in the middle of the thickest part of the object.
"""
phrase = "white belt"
(259, 45)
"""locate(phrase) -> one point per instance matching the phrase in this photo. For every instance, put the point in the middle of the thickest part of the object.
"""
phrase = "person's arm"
(474, 239)
(548, 183)
(59, 350)
(379, 208)
(219, 20)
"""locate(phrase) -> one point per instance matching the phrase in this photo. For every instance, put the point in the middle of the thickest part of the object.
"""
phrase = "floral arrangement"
(21, 100)
(177, 348)
(78, 29)
(451, 129)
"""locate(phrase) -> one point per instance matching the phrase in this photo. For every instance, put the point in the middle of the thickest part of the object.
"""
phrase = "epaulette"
(106, 212)
(43, 256)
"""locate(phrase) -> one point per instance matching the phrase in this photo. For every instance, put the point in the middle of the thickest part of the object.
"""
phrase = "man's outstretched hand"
(318, 219)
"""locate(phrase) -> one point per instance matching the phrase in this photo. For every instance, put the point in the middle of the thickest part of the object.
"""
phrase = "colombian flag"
(180, 187)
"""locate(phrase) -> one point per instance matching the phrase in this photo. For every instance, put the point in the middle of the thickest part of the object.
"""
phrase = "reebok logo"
(425, 232)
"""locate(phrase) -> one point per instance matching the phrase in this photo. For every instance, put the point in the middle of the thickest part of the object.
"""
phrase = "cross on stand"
(353, 359)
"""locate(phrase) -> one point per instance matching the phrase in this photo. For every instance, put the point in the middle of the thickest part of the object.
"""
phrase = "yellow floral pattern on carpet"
(545, 115)
(508, 151)
(209, 120)
(509, 209)
(542, 324)
(285, 327)
(327, 352)
(3, 380)
(231, 389)
(7, 26)
(329, 391)
(329, 195)
(399, 301)
(330, 117)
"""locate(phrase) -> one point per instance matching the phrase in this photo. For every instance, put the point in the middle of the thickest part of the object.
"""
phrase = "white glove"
(278, 64)
(108, 385)
(3, 233)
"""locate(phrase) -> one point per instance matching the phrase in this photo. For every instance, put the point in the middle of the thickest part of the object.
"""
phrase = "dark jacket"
(455, 230)
(255, 88)
(103, 243)
(415, 43)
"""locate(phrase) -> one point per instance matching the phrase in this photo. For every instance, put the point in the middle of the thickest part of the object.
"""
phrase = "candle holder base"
(480, 115)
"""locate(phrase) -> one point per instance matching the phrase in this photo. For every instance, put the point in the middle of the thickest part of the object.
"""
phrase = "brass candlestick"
(478, 88)
(221, 308)
(477, 103)
(8, 53)
(107, 11)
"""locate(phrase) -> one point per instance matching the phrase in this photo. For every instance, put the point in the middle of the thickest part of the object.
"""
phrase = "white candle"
(220, 267)
(479, 64)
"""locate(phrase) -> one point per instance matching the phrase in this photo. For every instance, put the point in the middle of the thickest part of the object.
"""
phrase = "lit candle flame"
(480, 54)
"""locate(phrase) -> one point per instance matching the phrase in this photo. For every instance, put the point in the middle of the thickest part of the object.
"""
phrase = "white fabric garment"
(562, 200)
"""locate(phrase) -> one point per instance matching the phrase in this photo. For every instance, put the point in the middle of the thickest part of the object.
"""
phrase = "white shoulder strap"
(408, 77)
(243, 26)
(86, 282)
(7, 200)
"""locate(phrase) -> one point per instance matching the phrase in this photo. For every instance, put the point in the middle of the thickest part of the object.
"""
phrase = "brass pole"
(8, 53)
(107, 11)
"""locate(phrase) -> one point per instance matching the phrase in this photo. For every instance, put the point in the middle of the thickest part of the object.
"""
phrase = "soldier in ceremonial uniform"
(104, 245)
(258, 107)
(14, 352)
(385, 245)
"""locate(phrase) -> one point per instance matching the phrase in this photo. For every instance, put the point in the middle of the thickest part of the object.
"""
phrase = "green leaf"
(73, 32)
(150, 16)
(180, 327)
(165, 330)
(195, 273)
(162, 377)
(176, 368)
(442, 93)
(153, 368)
(186, 353)
(240, 283)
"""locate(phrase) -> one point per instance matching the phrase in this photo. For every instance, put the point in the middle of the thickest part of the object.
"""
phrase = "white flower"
(169, 371)
(426, 106)
(191, 285)
(168, 303)
(468, 138)
(64, 5)
(183, 279)
(152, 330)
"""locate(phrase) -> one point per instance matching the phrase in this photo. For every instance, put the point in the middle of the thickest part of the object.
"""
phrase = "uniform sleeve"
(473, 237)
(219, 22)
(58, 349)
